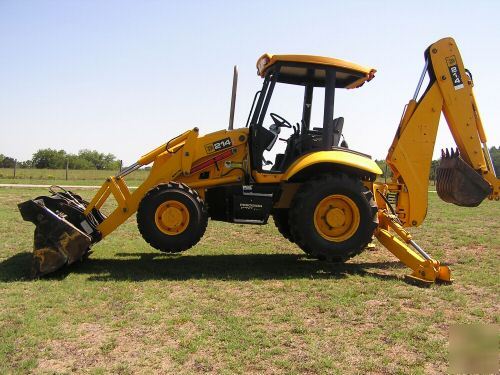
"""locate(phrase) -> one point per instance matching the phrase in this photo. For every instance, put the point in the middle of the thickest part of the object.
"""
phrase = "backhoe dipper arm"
(410, 155)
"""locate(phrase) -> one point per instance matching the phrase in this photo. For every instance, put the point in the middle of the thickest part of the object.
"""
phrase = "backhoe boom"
(464, 180)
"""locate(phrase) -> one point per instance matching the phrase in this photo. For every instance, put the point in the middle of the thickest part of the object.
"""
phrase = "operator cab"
(309, 72)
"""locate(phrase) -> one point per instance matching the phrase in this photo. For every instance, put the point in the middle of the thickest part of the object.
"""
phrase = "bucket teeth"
(458, 183)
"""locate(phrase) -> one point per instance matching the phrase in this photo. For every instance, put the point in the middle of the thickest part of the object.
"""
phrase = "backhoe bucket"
(458, 183)
(60, 237)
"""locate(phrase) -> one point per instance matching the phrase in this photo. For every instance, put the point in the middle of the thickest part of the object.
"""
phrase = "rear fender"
(315, 163)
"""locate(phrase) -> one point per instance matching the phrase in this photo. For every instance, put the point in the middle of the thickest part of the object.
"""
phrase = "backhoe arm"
(464, 181)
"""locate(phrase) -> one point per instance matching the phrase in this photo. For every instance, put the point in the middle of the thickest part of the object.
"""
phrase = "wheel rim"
(172, 217)
(336, 218)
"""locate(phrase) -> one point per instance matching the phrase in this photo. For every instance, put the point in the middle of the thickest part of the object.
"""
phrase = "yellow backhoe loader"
(322, 195)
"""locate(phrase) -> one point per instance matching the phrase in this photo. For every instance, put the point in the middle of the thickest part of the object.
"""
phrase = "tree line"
(48, 158)
(494, 152)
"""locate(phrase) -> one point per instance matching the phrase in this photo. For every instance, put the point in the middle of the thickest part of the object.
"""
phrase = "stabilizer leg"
(425, 269)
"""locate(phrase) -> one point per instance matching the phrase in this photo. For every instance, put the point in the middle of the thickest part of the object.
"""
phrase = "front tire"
(333, 217)
(172, 217)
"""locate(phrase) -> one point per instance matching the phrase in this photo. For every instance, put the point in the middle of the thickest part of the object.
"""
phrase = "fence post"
(15, 165)
(121, 166)
(67, 166)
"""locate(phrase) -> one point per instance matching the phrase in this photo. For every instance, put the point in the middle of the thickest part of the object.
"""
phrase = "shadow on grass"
(16, 268)
(154, 266)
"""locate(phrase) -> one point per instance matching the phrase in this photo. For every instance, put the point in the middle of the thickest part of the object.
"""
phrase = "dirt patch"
(97, 346)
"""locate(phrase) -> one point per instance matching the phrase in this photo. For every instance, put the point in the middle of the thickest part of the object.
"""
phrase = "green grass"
(242, 301)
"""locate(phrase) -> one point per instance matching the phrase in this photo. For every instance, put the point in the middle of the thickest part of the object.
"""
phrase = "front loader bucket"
(63, 233)
(458, 183)
(57, 241)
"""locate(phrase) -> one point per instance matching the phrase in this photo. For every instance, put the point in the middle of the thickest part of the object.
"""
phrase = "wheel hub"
(336, 218)
(172, 217)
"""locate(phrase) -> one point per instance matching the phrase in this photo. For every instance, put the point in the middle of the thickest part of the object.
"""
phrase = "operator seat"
(337, 125)
(309, 141)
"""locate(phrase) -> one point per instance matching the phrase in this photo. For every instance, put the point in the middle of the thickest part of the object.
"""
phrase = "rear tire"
(280, 217)
(172, 217)
(333, 217)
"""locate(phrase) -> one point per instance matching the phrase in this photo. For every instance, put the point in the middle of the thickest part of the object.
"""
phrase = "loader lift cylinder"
(128, 170)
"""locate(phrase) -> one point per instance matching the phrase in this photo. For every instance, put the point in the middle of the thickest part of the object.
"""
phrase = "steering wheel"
(280, 121)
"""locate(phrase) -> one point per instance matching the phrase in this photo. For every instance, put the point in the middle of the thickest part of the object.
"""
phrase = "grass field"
(242, 301)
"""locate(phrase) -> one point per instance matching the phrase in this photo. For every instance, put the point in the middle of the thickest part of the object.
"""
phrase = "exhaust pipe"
(233, 97)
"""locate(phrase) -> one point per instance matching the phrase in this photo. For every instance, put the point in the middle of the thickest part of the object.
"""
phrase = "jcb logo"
(451, 61)
(218, 145)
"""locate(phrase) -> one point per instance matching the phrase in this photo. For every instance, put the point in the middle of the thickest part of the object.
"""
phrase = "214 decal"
(456, 78)
(218, 145)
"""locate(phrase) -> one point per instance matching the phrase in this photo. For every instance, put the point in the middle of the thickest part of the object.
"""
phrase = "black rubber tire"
(280, 217)
(302, 217)
(198, 217)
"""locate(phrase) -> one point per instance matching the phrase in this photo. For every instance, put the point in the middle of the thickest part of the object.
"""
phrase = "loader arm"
(410, 155)
(182, 159)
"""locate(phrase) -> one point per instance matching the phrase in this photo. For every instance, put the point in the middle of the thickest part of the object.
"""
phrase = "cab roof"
(307, 69)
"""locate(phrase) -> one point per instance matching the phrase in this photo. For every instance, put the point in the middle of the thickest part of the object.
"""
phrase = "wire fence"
(20, 175)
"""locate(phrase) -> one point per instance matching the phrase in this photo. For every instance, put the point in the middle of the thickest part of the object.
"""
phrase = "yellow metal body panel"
(267, 178)
(267, 60)
(333, 157)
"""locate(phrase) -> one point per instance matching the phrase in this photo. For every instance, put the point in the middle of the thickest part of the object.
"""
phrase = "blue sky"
(125, 76)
